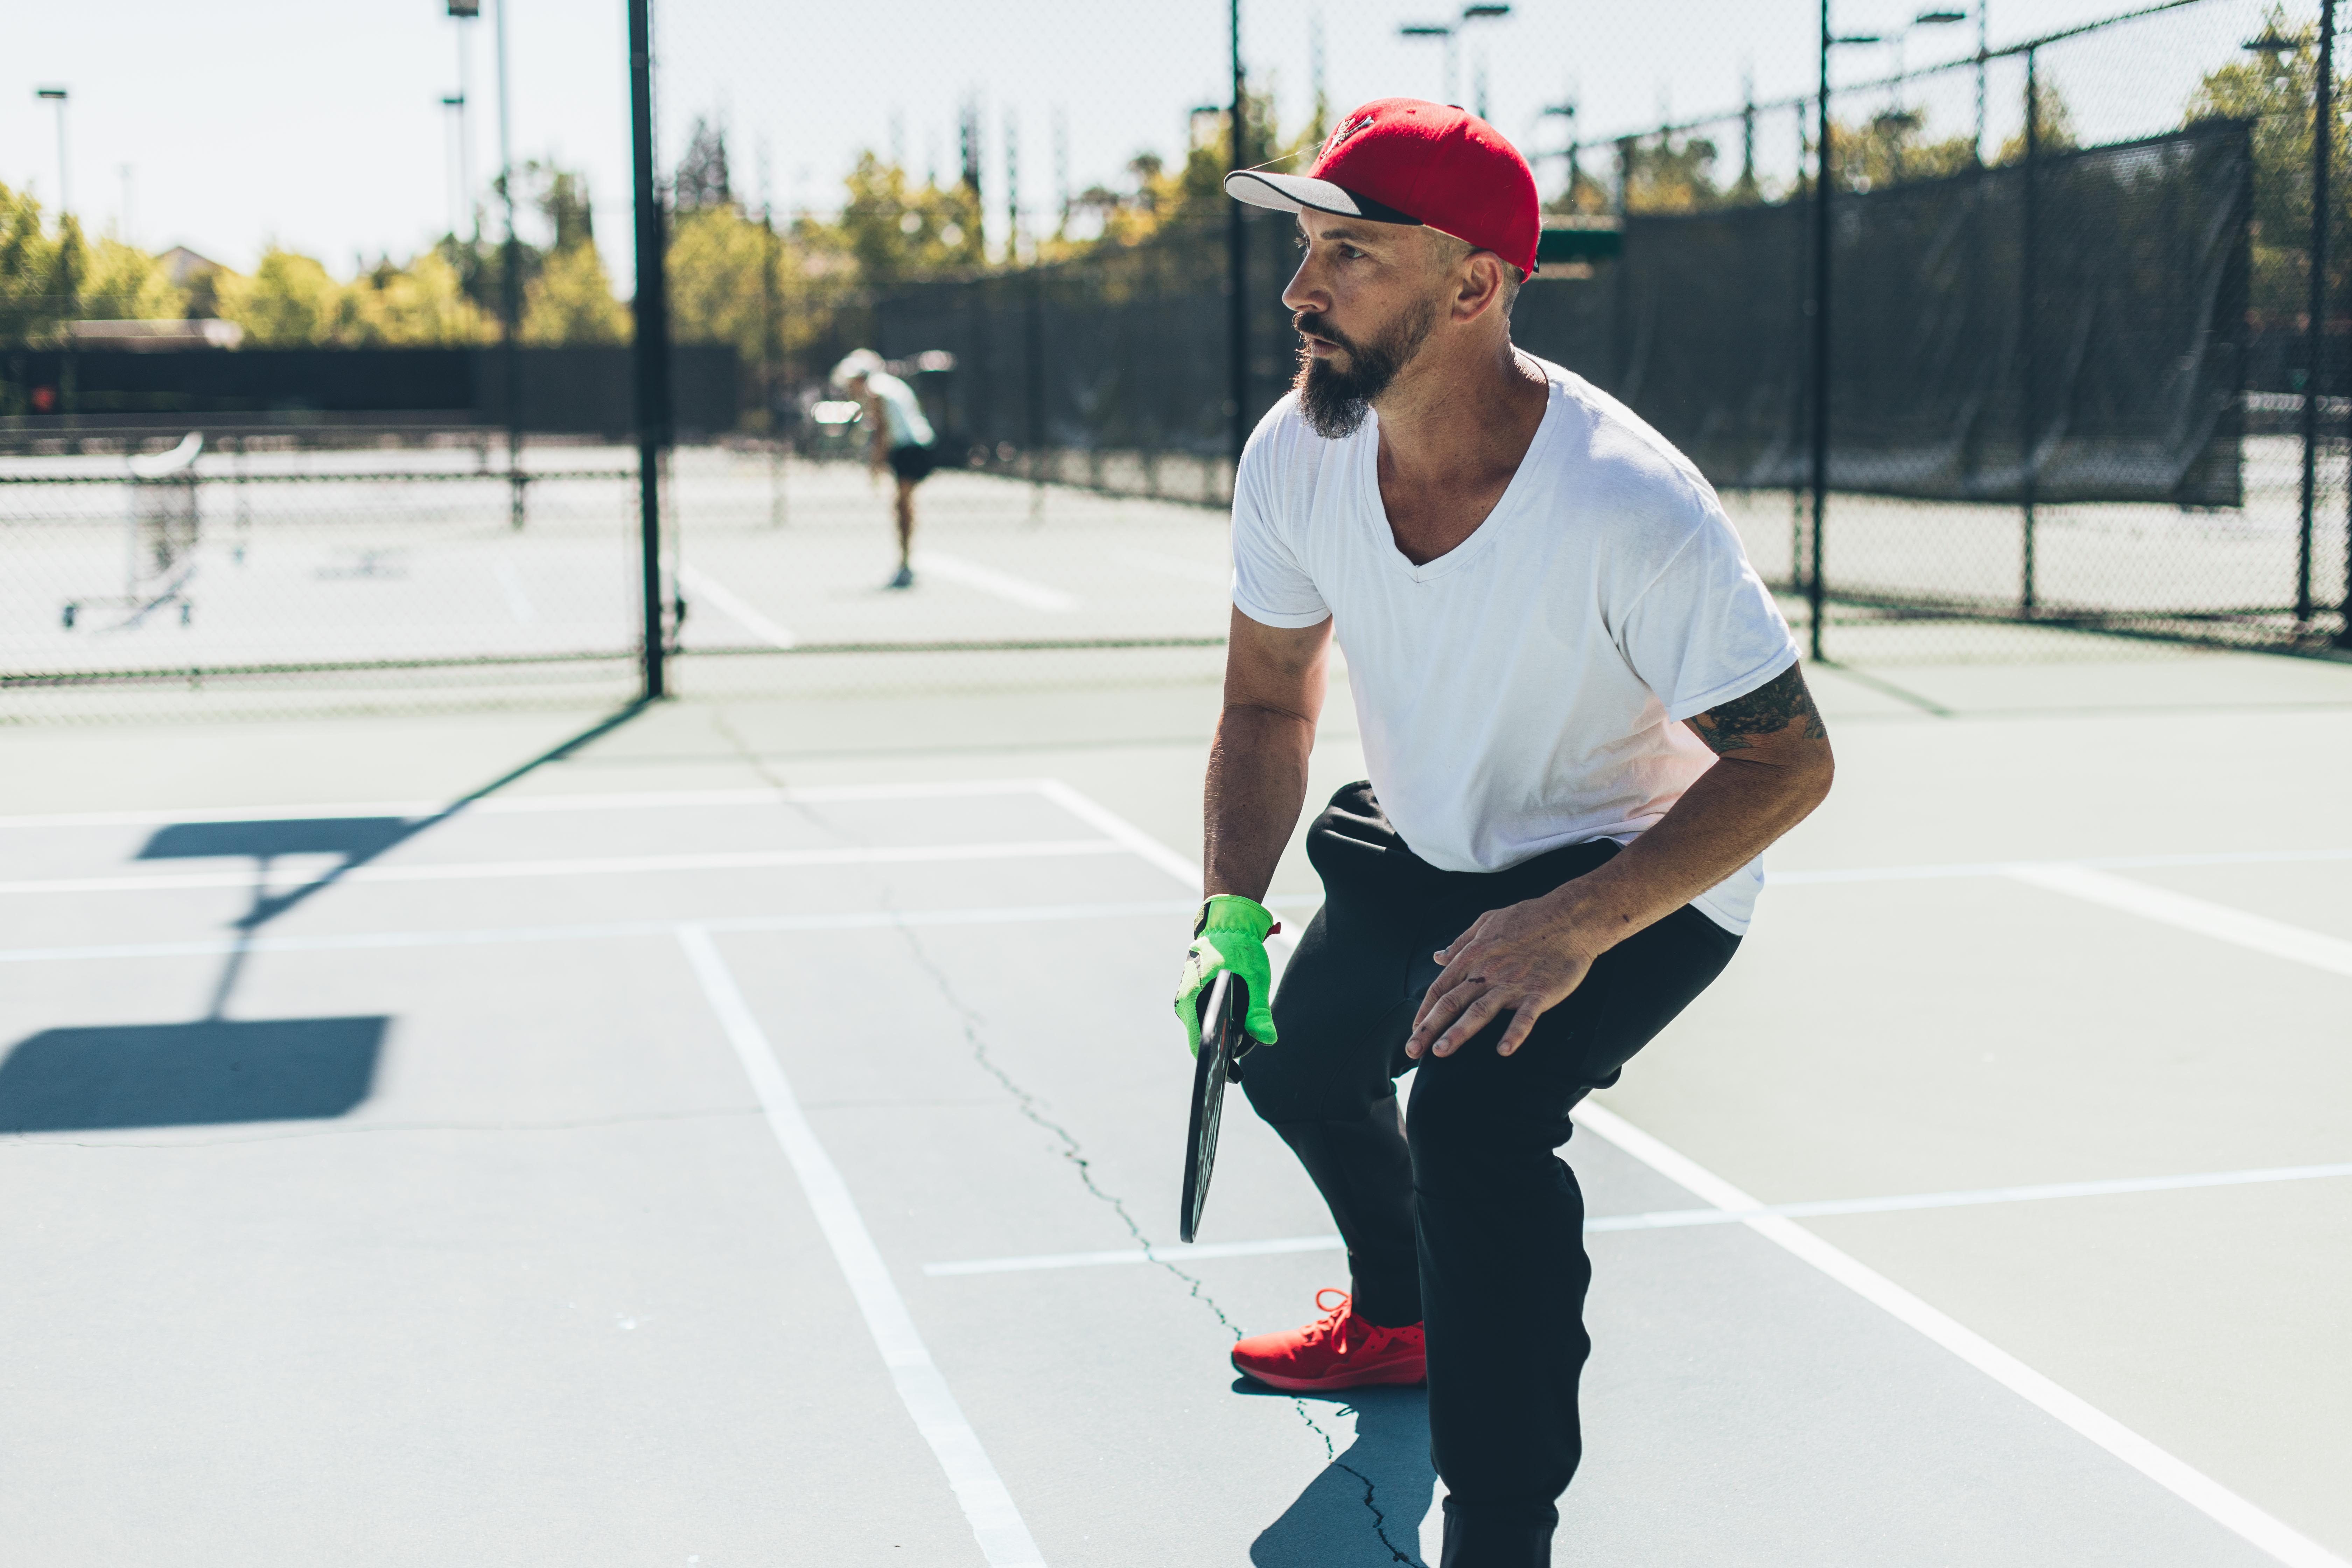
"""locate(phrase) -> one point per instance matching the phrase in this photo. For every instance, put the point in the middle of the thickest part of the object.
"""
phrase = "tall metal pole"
(1984, 59)
(69, 275)
(470, 213)
(2029, 263)
(1821, 311)
(1237, 260)
(511, 282)
(652, 341)
(2315, 384)
(771, 349)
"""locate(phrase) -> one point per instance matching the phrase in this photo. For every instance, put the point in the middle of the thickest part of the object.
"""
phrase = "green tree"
(717, 281)
(2277, 91)
(895, 229)
(702, 182)
(123, 283)
(421, 304)
(1670, 174)
(290, 301)
(1893, 147)
(2053, 125)
(571, 301)
(32, 299)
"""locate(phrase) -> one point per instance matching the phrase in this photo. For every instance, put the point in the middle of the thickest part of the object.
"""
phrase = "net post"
(2029, 416)
(651, 340)
(1821, 312)
(2314, 335)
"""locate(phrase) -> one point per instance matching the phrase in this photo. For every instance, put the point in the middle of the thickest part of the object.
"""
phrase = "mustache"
(1311, 323)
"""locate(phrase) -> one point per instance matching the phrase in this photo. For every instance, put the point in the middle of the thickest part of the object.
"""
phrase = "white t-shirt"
(1524, 691)
(901, 410)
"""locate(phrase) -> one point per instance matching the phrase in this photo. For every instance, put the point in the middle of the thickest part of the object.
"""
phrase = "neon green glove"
(1230, 934)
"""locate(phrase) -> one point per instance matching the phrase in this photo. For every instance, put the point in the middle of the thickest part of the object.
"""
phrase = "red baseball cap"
(1407, 161)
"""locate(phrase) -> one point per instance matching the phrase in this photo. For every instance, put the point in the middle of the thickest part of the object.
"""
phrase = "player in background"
(903, 441)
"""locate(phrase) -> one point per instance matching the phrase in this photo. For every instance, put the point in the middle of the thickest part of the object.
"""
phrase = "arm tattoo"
(1767, 711)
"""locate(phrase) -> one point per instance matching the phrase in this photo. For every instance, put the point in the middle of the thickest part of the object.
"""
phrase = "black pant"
(1461, 1217)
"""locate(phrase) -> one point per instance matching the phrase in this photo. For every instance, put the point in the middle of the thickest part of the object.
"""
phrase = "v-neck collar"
(1482, 538)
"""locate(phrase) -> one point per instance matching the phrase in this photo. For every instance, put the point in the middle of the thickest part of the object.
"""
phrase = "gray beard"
(1336, 400)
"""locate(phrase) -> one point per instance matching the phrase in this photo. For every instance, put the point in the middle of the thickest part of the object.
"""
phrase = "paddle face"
(1222, 1041)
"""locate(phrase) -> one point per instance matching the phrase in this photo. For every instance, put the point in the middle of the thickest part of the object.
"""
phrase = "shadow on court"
(1333, 1523)
(217, 1070)
(183, 1075)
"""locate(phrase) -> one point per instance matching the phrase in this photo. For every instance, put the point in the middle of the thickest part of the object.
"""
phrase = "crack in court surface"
(1073, 1152)
(1028, 1106)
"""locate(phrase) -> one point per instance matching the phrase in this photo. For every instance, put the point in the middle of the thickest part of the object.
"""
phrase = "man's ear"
(1480, 288)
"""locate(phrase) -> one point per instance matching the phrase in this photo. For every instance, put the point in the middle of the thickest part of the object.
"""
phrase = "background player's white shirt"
(1525, 690)
(901, 411)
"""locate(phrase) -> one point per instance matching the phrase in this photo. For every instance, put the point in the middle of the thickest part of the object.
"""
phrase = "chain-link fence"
(262, 555)
(2071, 352)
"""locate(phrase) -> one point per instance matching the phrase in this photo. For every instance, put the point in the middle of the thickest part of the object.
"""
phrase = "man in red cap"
(1584, 721)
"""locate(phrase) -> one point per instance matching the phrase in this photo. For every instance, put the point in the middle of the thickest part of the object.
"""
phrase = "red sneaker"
(1338, 1350)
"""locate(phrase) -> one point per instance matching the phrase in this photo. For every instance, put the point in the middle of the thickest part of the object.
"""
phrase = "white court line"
(1680, 1219)
(519, 602)
(2193, 1486)
(735, 609)
(972, 574)
(854, 920)
(619, 865)
(531, 805)
(1110, 825)
(988, 1507)
(2202, 916)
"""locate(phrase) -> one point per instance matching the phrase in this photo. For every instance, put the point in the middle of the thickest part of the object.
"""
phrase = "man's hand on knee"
(1522, 960)
(1229, 936)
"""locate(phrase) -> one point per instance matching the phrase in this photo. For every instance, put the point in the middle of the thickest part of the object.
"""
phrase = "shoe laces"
(1347, 1332)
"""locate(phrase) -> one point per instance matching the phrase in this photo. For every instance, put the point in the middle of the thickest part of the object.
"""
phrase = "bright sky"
(319, 123)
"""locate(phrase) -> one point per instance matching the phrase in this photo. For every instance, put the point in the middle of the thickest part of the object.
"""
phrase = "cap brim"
(1298, 193)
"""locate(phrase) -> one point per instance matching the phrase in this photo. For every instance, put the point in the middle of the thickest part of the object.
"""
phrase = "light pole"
(470, 209)
(457, 102)
(70, 284)
(1434, 30)
(1899, 119)
(1451, 33)
(57, 95)
(1566, 110)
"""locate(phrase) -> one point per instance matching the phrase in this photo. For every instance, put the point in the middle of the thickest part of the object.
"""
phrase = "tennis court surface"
(747, 1130)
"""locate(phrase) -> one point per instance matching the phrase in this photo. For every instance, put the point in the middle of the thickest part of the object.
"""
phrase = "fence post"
(510, 289)
(2029, 416)
(1237, 260)
(1620, 286)
(1800, 219)
(1033, 357)
(771, 354)
(652, 337)
(1820, 302)
(2315, 328)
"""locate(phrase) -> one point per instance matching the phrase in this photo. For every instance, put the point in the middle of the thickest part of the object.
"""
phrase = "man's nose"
(1303, 293)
